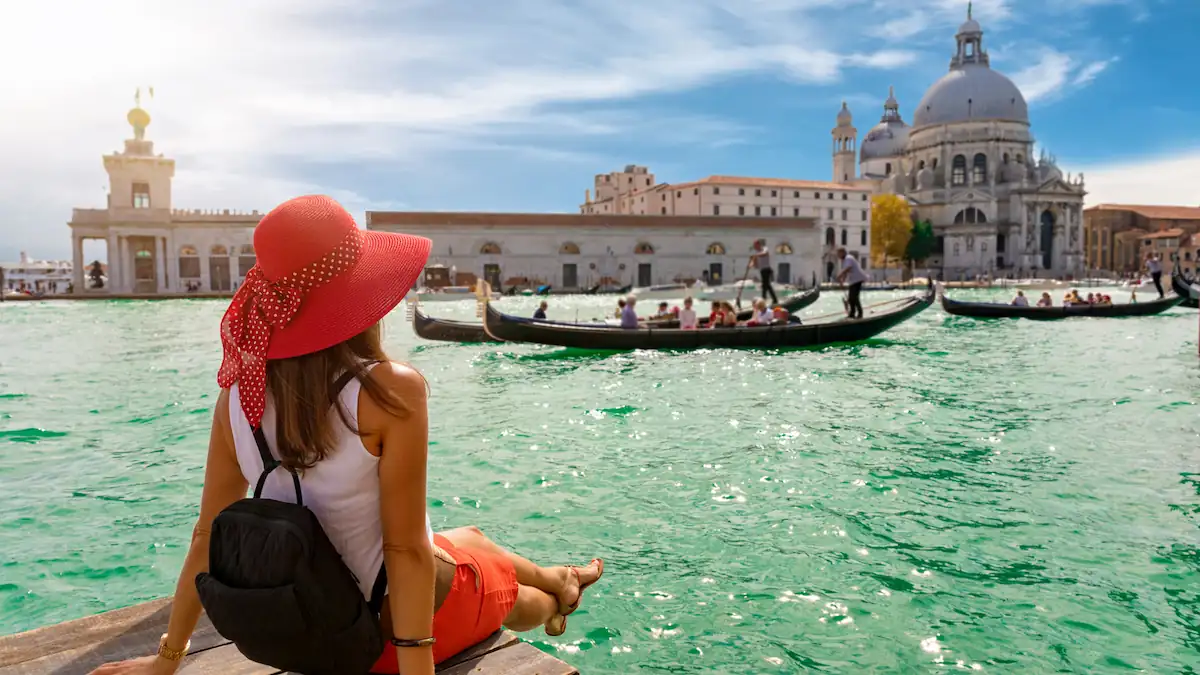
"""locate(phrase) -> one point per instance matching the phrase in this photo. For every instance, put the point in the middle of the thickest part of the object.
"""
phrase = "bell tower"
(137, 178)
(845, 146)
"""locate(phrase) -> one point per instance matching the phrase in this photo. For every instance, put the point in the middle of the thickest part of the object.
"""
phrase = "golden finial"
(138, 118)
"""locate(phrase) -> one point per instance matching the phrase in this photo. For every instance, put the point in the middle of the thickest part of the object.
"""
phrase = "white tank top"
(342, 490)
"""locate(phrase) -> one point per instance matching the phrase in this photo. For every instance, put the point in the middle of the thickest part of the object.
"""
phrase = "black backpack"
(278, 589)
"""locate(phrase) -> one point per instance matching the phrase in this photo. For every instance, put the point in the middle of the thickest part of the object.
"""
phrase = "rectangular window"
(189, 267)
(843, 237)
(830, 214)
(774, 193)
(664, 197)
(664, 210)
(831, 195)
(742, 191)
(863, 238)
(845, 196)
(141, 195)
(758, 210)
(796, 211)
(796, 194)
(773, 211)
(678, 194)
(716, 191)
(864, 214)
(758, 193)
(864, 198)
(716, 210)
(816, 195)
(741, 210)
(695, 191)
(844, 214)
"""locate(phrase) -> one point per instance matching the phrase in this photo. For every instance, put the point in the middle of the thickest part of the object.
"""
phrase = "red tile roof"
(1153, 211)
(745, 181)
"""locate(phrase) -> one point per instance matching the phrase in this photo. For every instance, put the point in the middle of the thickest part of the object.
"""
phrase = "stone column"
(77, 262)
(114, 263)
(160, 265)
(205, 279)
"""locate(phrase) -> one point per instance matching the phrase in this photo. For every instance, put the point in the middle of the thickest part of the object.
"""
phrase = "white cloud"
(1055, 73)
(1153, 180)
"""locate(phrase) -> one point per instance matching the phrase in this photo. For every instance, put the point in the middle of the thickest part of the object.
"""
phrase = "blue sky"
(515, 105)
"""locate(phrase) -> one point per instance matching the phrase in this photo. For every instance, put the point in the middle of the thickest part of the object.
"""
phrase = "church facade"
(966, 165)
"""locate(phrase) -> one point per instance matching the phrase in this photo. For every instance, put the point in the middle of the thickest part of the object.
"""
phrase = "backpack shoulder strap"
(269, 465)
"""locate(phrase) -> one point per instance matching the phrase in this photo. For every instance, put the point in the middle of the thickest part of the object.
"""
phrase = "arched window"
(829, 236)
(843, 237)
(887, 169)
(569, 248)
(920, 165)
(958, 171)
(1020, 158)
(970, 215)
(715, 249)
(189, 262)
(642, 248)
(979, 169)
(218, 249)
(490, 248)
(246, 259)
(784, 249)
(1005, 160)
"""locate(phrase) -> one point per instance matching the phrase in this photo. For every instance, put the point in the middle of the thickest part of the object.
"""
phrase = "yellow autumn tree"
(891, 226)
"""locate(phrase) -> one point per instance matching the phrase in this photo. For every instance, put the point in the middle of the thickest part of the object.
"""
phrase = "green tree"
(921, 243)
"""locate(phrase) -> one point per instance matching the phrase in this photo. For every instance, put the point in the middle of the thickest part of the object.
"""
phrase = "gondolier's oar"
(742, 286)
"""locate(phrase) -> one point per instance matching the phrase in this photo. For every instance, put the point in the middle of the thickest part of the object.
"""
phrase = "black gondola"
(604, 337)
(994, 310)
(448, 330)
(1187, 289)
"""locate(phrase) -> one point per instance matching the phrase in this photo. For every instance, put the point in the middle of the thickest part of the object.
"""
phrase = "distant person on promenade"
(853, 275)
(1154, 267)
(762, 261)
(687, 315)
(629, 317)
(541, 310)
(1020, 300)
(336, 564)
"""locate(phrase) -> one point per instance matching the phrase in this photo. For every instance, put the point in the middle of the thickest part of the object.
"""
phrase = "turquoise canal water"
(1009, 496)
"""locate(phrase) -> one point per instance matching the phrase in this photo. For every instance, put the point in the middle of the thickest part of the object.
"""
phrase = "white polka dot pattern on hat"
(258, 308)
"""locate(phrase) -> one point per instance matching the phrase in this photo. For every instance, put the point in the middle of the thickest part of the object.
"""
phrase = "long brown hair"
(302, 389)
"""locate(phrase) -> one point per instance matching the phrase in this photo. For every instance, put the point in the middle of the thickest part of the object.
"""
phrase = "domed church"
(965, 164)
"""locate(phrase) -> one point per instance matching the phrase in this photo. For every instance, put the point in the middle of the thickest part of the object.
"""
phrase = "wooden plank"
(519, 659)
(76, 647)
(497, 641)
(111, 636)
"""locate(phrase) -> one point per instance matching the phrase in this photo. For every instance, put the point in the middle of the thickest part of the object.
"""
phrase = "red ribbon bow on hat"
(259, 308)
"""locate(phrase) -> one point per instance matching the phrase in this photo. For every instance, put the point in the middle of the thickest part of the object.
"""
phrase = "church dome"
(971, 91)
(888, 138)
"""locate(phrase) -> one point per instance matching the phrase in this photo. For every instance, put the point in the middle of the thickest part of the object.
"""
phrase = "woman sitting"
(728, 315)
(1045, 300)
(314, 414)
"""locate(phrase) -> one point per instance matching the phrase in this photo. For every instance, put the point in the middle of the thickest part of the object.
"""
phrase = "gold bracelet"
(172, 654)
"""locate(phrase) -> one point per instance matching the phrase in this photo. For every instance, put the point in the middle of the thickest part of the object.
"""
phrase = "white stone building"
(966, 165)
(573, 251)
(840, 211)
(50, 277)
(152, 247)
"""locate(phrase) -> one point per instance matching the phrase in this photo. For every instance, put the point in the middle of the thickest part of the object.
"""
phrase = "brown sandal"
(562, 628)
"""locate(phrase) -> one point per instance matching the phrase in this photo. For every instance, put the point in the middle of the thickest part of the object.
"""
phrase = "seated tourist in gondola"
(620, 308)
(1091, 299)
(780, 315)
(687, 315)
(541, 310)
(1046, 300)
(760, 316)
(664, 311)
(728, 315)
(1020, 300)
(629, 317)
(716, 315)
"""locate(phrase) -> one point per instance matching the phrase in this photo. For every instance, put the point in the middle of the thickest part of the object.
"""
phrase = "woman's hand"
(147, 665)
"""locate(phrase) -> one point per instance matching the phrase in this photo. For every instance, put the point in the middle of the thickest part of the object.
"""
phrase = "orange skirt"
(483, 593)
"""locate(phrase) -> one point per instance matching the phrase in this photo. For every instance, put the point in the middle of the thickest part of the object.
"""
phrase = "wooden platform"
(76, 647)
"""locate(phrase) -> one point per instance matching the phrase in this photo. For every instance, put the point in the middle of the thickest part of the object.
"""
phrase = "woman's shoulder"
(400, 378)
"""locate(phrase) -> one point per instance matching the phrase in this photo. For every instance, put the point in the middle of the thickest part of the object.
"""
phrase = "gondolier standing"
(762, 260)
(1154, 267)
(852, 275)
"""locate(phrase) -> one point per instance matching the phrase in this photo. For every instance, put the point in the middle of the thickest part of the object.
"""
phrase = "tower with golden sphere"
(137, 178)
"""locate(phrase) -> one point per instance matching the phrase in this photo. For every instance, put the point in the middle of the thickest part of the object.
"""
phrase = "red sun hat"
(318, 280)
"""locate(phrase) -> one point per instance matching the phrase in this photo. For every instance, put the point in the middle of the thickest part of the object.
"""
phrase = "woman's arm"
(407, 552)
(223, 485)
